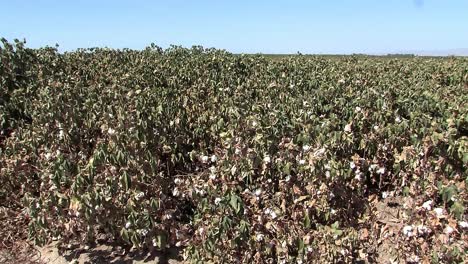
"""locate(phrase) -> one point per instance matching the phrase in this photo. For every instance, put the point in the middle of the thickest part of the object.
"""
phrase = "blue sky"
(313, 26)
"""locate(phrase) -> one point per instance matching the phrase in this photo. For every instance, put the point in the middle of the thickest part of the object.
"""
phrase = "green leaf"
(458, 210)
(307, 223)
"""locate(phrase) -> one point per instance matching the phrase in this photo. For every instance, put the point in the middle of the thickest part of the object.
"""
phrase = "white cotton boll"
(352, 165)
(204, 159)
(427, 205)
(267, 159)
(214, 158)
(48, 156)
(381, 170)
(111, 131)
(175, 192)
(347, 128)
(439, 212)
(357, 109)
(201, 230)
(258, 192)
(61, 134)
(341, 81)
(237, 151)
(463, 224)
(327, 174)
(385, 195)
(397, 119)
(128, 225)
(413, 259)
(408, 231)
(422, 230)
(177, 181)
(254, 123)
(448, 230)
(288, 178)
(213, 169)
(302, 162)
(273, 215)
(358, 175)
(217, 200)
(306, 148)
(376, 128)
(212, 176)
(259, 237)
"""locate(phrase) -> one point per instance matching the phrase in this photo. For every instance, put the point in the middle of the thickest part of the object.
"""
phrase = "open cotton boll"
(439, 212)
(408, 231)
(381, 170)
(427, 205)
(347, 128)
(204, 159)
(463, 224)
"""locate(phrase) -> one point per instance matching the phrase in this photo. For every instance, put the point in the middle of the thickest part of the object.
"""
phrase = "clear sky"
(313, 26)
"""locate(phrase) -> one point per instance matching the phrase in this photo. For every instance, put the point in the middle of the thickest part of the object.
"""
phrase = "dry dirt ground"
(100, 254)
(105, 254)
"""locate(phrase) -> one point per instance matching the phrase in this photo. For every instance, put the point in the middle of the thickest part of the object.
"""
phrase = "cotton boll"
(427, 205)
(347, 128)
(463, 224)
(448, 230)
(439, 212)
(408, 231)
